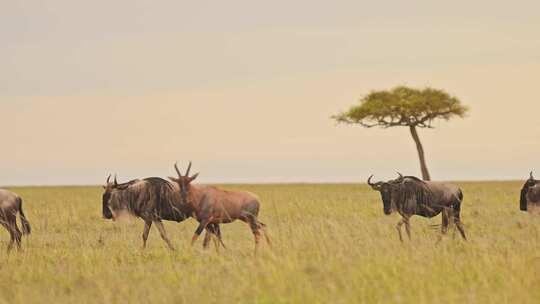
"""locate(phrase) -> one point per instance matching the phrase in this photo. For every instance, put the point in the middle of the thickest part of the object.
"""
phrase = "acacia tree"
(404, 107)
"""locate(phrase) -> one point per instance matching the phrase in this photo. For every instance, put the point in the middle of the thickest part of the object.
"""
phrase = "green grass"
(332, 244)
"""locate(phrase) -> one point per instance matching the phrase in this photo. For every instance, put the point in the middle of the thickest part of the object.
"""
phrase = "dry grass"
(332, 244)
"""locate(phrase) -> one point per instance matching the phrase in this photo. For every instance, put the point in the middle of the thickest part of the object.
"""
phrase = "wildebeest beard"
(531, 182)
(151, 197)
(107, 214)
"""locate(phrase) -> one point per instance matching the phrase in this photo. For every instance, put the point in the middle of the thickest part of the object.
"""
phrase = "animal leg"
(202, 226)
(398, 227)
(163, 234)
(18, 235)
(265, 233)
(459, 226)
(254, 225)
(146, 231)
(207, 237)
(457, 220)
(12, 240)
(218, 234)
(445, 222)
(408, 228)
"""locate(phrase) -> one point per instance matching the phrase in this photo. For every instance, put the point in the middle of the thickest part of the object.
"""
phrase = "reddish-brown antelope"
(211, 205)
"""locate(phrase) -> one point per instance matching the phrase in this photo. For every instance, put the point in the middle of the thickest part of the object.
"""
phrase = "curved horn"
(177, 170)
(188, 168)
(369, 181)
(108, 179)
(532, 175)
(115, 181)
(400, 177)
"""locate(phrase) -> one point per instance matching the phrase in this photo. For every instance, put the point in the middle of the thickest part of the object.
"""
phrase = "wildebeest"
(530, 195)
(211, 205)
(10, 205)
(409, 195)
(152, 199)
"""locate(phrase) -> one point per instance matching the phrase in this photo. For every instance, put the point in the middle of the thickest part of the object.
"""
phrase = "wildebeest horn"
(400, 178)
(115, 181)
(108, 179)
(532, 175)
(177, 170)
(369, 180)
(188, 168)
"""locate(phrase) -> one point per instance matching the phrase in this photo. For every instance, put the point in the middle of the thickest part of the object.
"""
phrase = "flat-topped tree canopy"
(403, 106)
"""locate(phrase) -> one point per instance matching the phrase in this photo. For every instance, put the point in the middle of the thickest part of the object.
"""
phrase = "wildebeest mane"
(413, 193)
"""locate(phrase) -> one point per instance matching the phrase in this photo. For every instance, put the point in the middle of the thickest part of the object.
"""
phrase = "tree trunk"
(423, 167)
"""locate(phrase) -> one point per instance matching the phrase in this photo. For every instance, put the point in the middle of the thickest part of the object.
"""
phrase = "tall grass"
(332, 244)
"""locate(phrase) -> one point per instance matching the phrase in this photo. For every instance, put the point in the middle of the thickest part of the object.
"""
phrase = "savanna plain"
(331, 244)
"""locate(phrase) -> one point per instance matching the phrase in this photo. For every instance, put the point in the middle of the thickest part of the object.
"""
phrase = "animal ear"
(192, 178)
(174, 179)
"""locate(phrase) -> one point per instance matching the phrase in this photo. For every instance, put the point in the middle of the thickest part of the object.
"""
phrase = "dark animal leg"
(212, 234)
(12, 239)
(218, 234)
(163, 234)
(207, 237)
(456, 216)
(146, 231)
(202, 226)
(445, 222)
(262, 227)
(254, 225)
(18, 235)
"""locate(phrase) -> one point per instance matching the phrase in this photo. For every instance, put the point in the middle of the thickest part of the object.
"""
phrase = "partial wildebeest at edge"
(10, 205)
(153, 200)
(530, 195)
(211, 205)
(412, 196)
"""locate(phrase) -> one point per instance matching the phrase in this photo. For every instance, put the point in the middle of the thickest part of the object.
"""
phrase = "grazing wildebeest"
(211, 205)
(530, 195)
(153, 200)
(10, 205)
(410, 196)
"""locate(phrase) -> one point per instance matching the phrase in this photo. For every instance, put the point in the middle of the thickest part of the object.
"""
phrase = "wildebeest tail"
(26, 229)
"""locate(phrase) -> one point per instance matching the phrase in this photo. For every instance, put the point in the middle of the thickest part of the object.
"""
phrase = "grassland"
(332, 244)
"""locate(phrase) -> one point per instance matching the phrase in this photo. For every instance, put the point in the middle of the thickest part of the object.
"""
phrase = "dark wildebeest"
(153, 200)
(530, 195)
(10, 205)
(410, 196)
(211, 205)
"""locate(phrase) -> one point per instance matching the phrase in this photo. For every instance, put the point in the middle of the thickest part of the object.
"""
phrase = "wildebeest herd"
(155, 200)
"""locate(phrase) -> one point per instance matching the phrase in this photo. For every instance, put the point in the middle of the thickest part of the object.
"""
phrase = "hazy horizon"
(245, 90)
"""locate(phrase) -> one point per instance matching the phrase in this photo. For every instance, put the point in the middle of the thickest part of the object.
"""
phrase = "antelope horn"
(115, 181)
(369, 181)
(188, 168)
(400, 178)
(177, 170)
(532, 175)
(108, 179)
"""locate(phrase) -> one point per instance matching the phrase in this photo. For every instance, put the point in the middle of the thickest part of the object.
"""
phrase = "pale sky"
(245, 89)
